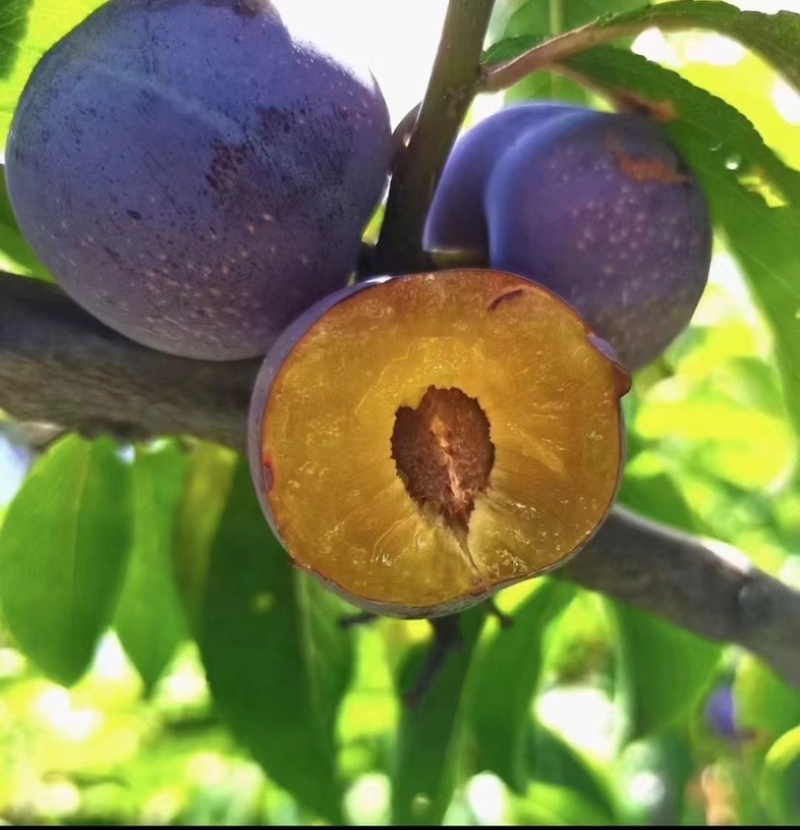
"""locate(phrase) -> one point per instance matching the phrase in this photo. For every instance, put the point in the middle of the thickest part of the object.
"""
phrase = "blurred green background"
(585, 712)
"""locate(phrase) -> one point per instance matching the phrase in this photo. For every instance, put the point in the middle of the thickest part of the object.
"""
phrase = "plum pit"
(443, 453)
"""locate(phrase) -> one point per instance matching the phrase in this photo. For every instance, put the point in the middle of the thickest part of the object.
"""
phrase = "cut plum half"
(420, 442)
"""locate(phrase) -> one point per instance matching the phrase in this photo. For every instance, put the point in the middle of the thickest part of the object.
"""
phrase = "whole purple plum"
(456, 221)
(196, 173)
(720, 713)
(601, 209)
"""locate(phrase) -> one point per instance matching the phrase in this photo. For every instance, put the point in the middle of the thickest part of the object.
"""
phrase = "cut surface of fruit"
(434, 437)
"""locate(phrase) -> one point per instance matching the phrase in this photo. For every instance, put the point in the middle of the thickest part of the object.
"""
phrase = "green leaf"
(505, 680)
(548, 804)
(665, 668)
(775, 37)
(779, 779)
(764, 240)
(739, 444)
(430, 736)
(149, 619)
(28, 28)
(277, 660)
(208, 484)
(541, 18)
(765, 705)
(63, 549)
(732, 163)
(510, 48)
(13, 25)
(556, 762)
(16, 256)
(650, 489)
(557, 16)
(667, 761)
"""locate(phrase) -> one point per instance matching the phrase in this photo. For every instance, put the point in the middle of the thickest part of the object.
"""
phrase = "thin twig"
(416, 172)
(503, 75)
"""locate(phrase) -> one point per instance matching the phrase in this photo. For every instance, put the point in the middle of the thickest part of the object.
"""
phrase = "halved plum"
(420, 442)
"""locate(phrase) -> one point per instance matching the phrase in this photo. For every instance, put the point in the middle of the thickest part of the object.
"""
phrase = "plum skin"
(720, 713)
(456, 219)
(259, 466)
(598, 207)
(195, 174)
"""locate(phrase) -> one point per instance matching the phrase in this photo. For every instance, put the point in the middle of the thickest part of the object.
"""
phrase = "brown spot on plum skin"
(509, 295)
(647, 170)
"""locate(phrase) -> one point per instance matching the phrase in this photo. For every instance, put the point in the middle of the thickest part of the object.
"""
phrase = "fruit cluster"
(198, 174)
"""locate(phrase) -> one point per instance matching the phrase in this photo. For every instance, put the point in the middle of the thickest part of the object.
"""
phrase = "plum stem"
(505, 620)
(446, 639)
(361, 618)
(452, 86)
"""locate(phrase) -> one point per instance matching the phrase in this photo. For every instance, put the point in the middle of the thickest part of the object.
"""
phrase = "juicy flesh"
(550, 397)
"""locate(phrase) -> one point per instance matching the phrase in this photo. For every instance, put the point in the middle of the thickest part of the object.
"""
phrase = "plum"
(418, 443)
(456, 221)
(720, 712)
(195, 173)
(598, 207)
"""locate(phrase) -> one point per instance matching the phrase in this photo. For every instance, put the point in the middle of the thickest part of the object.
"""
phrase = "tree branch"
(417, 168)
(58, 364)
(715, 592)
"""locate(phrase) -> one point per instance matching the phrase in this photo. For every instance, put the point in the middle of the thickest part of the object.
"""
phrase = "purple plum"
(456, 221)
(195, 173)
(601, 209)
(720, 713)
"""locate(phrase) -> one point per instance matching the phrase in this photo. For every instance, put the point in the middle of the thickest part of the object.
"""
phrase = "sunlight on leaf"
(63, 548)
(46, 21)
